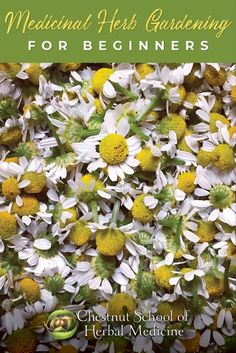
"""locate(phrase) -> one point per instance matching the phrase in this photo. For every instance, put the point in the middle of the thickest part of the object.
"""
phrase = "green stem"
(151, 105)
(123, 90)
(137, 131)
(140, 274)
(194, 301)
(226, 278)
(115, 211)
(54, 132)
(13, 154)
(94, 207)
(178, 230)
(177, 161)
(89, 132)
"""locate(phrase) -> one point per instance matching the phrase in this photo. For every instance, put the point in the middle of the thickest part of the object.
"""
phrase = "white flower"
(118, 163)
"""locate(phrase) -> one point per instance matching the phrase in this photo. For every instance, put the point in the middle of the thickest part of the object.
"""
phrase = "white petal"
(26, 220)
(119, 278)
(174, 280)
(95, 283)
(201, 192)
(200, 203)
(205, 338)
(109, 90)
(214, 215)
(23, 183)
(19, 201)
(52, 195)
(106, 286)
(191, 236)
(203, 115)
(169, 259)
(112, 173)
(219, 339)
(126, 169)
(126, 270)
(123, 127)
(221, 318)
(42, 244)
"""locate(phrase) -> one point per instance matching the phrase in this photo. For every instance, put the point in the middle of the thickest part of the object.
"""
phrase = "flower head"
(8, 225)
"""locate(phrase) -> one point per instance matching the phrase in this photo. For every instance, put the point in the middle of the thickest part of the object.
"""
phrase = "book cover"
(117, 176)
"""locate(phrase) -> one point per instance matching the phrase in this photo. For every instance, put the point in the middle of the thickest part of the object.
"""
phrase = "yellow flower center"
(141, 212)
(214, 285)
(88, 178)
(215, 77)
(206, 231)
(65, 67)
(21, 341)
(192, 345)
(12, 160)
(214, 117)
(30, 289)
(38, 320)
(109, 241)
(80, 233)
(182, 145)
(99, 78)
(204, 158)
(192, 81)
(92, 329)
(68, 349)
(34, 72)
(120, 304)
(143, 70)
(8, 225)
(30, 206)
(175, 123)
(148, 162)
(113, 149)
(162, 276)
(191, 97)
(72, 218)
(223, 157)
(10, 188)
(233, 93)
(11, 69)
(3, 272)
(186, 182)
(98, 105)
(89, 191)
(218, 105)
(231, 248)
(175, 308)
(37, 182)
(182, 93)
(11, 136)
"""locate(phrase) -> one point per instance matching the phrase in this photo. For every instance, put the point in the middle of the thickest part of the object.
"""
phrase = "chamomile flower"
(116, 153)
(220, 202)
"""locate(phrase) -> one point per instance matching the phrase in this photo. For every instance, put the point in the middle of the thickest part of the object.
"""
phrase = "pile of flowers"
(117, 194)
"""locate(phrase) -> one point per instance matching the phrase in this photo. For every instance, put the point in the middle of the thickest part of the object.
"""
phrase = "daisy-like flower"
(116, 153)
(95, 273)
(230, 88)
(64, 211)
(13, 320)
(43, 253)
(116, 195)
(212, 334)
(220, 204)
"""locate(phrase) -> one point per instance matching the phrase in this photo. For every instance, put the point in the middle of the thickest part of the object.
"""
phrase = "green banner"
(97, 31)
